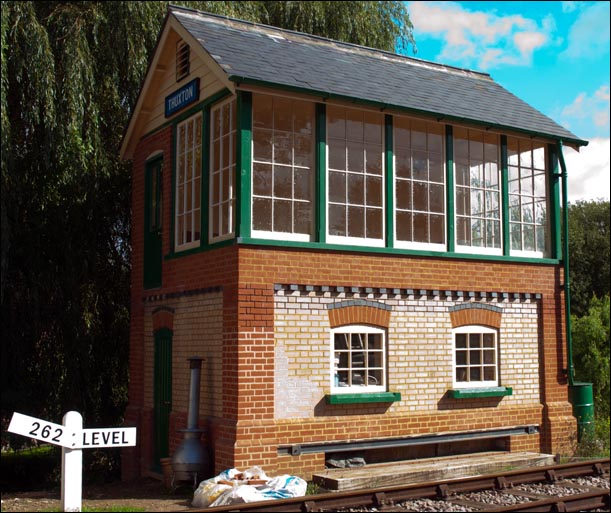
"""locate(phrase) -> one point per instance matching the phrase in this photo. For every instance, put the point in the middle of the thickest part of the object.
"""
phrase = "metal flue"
(191, 462)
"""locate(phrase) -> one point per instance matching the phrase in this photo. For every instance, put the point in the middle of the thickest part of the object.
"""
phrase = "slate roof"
(254, 53)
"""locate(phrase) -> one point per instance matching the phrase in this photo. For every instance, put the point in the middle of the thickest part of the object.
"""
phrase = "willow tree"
(71, 72)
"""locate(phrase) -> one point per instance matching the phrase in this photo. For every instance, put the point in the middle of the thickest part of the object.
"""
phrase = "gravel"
(497, 498)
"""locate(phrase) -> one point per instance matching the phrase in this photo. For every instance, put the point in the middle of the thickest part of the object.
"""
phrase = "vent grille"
(183, 60)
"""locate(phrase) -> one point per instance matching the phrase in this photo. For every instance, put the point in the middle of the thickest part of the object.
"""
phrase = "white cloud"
(481, 39)
(588, 171)
(588, 111)
(569, 6)
(589, 35)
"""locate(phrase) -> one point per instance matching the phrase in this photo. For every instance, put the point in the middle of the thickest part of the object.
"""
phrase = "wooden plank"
(429, 469)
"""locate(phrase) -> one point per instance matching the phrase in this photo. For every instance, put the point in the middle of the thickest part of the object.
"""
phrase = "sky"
(553, 55)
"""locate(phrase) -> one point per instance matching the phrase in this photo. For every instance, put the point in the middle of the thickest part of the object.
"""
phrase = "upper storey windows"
(288, 169)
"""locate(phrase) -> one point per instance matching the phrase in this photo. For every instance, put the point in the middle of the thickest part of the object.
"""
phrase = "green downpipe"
(580, 394)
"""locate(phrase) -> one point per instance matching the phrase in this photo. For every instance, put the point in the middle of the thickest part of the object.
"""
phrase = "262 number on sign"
(43, 430)
(46, 432)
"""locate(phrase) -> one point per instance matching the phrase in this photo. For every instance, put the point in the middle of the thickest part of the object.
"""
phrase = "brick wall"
(267, 350)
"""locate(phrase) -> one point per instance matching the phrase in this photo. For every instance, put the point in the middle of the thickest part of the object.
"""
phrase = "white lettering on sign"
(43, 430)
(107, 437)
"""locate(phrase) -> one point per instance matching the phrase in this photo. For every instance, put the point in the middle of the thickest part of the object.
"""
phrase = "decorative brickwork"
(358, 312)
(484, 315)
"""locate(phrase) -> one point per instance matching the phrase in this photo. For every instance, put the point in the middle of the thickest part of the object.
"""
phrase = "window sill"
(468, 393)
(374, 397)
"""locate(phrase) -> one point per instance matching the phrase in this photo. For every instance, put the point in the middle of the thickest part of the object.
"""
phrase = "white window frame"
(226, 172)
(516, 164)
(476, 330)
(423, 246)
(471, 249)
(188, 186)
(357, 329)
(279, 235)
(346, 239)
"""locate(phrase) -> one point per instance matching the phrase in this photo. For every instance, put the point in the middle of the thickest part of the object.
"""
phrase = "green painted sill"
(375, 397)
(468, 393)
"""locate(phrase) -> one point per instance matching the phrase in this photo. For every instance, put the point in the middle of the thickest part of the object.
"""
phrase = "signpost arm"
(72, 466)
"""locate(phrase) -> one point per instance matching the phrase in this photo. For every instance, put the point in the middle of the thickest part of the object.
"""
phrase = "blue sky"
(553, 55)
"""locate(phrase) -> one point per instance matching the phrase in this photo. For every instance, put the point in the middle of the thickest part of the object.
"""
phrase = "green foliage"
(382, 25)
(71, 73)
(591, 351)
(31, 469)
(595, 443)
(589, 250)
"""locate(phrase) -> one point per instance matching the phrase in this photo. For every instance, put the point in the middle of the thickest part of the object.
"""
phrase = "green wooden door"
(162, 396)
(152, 223)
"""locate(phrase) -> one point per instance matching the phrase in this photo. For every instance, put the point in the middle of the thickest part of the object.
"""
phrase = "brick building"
(364, 247)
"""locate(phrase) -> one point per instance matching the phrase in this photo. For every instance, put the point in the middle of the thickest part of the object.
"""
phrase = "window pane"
(356, 222)
(262, 112)
(404, 226)
(375, 223)
(337, 220)
(356, 189)
(283, 182)
(262, 214)
(374, 191)
(404, 194)
(262, 179)
(302, 184)
(286, 140)
(283, 216)
(337, 187)
(262, 146)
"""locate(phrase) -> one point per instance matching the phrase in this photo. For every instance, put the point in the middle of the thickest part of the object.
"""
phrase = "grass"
(594, 442)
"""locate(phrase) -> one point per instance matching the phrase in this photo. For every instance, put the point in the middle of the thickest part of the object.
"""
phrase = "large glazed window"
(528, 217)
(478, 194)
(419, 184)
(355, 176)
(187, 230)
(358, 359)
(475, 357)
(222, 171)
(282, 167)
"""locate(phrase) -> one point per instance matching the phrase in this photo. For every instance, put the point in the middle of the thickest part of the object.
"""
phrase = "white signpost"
(72, 438)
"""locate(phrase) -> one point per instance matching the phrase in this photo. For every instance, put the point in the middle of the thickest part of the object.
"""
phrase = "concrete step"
(428, 469)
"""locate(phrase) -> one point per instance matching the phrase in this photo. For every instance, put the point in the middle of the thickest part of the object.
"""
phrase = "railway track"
(547, 488)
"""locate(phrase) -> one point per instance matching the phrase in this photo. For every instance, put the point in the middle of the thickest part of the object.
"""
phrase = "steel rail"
(586, 501)
(386, 497)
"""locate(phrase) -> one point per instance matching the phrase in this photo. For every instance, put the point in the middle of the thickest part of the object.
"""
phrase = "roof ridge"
(413, 60)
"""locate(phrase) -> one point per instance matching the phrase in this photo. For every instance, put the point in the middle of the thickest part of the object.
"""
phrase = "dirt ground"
(146, 494)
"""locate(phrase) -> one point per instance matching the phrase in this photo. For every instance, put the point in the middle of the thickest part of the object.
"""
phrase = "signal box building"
(364, 247)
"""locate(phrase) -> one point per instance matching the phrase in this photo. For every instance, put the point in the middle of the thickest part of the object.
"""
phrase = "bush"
(595, 443)
(31, 469)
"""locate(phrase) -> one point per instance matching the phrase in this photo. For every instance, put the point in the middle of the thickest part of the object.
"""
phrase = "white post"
(72, 466)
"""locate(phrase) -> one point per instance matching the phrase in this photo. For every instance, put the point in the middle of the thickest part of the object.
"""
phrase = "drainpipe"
(581, 395)
(567, 281)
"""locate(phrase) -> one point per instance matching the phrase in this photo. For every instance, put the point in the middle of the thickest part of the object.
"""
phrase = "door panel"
(162, 396)
(153, 214)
